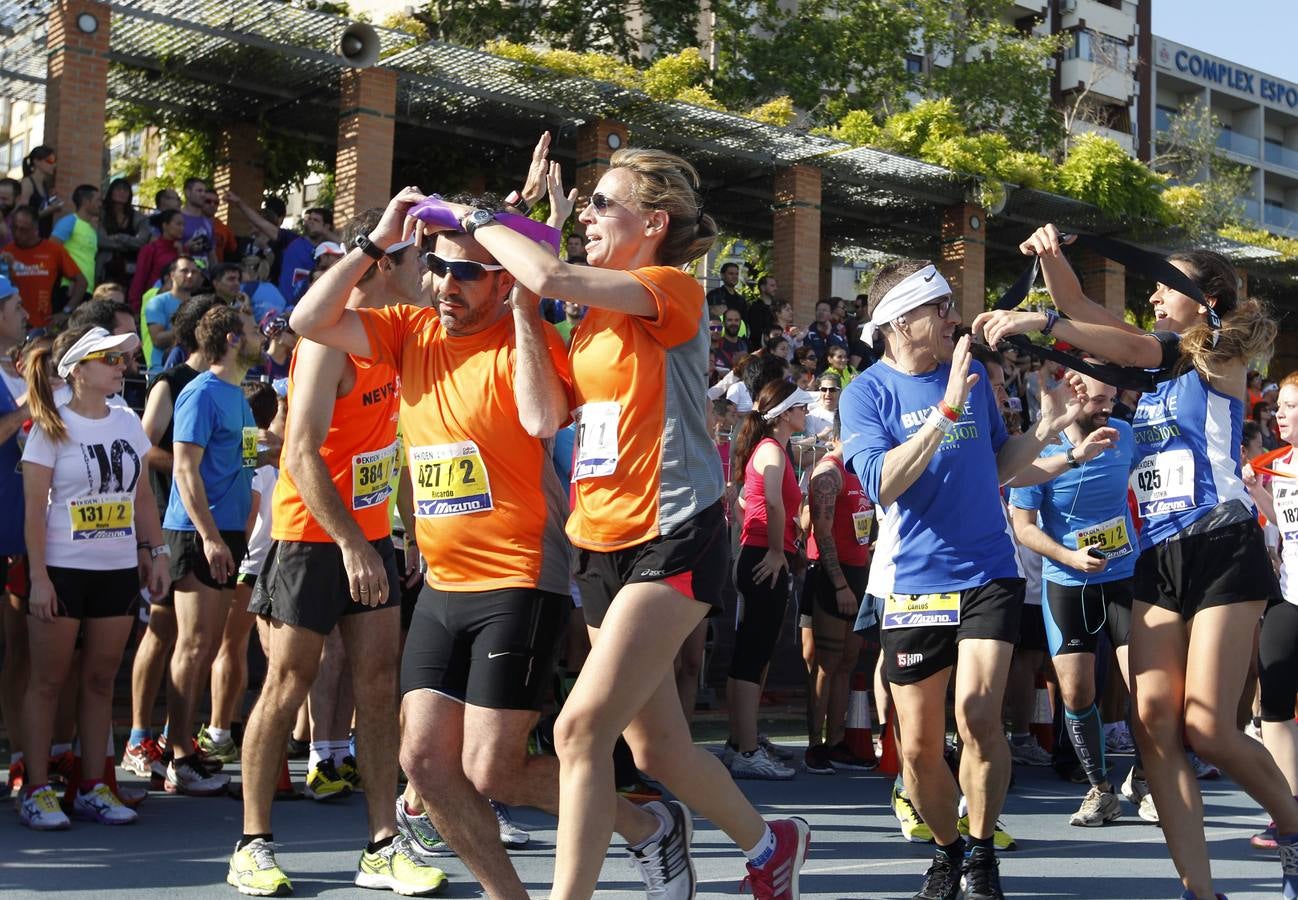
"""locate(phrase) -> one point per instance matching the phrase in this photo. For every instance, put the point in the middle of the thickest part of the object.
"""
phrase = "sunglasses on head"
(460, 269)
(107, 357)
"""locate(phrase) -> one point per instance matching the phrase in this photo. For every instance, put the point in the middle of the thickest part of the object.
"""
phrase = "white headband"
(797, 398)
(911, 292)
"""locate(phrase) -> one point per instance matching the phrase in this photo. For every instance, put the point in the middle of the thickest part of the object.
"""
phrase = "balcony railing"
(1281, 156)
(1279, 217)
(1239, 143)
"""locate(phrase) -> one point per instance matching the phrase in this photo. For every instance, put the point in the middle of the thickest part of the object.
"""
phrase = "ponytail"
(754, 427)
(38, 369)
(1247, 333)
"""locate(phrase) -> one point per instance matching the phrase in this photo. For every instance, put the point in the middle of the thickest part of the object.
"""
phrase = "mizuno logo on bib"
(915, 610)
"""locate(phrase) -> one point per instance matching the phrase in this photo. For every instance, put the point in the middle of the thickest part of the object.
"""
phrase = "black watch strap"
(368, 247)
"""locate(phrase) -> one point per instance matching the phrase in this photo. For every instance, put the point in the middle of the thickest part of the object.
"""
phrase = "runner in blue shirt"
(923, 432)
(1081, 526)
(1203, 577)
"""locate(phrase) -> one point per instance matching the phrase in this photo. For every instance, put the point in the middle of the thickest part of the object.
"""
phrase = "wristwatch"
(160, 550)
(1073, 461)
(476, 219)
(368, 247)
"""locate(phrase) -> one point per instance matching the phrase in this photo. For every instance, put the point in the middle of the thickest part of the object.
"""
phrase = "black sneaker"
(298, 749)
(981, 876)
(941, 881)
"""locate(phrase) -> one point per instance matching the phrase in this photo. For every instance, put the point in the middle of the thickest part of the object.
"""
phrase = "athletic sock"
(15, 757)
(1087, 734)
(88, 784)
(320, 751)
(376, 846)
(340, 750)
(765, 849)
(139, 736)
(218, 735)
(249, 838)
(987, 842)
(954, 851)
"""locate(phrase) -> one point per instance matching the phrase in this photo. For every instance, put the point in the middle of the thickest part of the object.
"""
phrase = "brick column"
(593, 152)
(1104, 281)
(963, 257)
(240, 167)
(796, 254)
(76, 94)
(366, 130)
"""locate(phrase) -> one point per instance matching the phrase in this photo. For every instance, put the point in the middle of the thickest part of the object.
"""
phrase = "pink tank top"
(754, 533)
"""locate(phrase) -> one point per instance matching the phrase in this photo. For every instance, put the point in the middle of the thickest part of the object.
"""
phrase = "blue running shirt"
(1090, 501)
(947, 531)
(1187, 455)
(214, 415)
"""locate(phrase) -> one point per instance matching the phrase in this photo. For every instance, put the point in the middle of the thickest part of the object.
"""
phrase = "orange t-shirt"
(35, 271)
(489, 508)
(644, 463)
(360, 451)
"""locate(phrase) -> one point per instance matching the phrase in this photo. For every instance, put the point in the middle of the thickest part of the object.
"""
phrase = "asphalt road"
(179, 848)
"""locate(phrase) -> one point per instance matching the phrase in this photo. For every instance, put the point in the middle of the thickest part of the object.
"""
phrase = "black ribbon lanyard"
(1142, 262)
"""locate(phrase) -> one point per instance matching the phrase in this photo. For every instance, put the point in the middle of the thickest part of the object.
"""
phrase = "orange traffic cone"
(889, 762)
(1043, 717)
(859, 734)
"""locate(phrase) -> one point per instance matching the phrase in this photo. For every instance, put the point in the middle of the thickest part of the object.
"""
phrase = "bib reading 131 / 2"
(372, 476)
(449, 480)
(597, 449)
(102, 516)
(914, 610)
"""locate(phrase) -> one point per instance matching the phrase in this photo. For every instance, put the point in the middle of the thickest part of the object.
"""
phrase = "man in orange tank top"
(333, 564)
(485, 385)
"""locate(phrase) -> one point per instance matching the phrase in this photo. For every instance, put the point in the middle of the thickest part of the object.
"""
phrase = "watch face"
(481, 217)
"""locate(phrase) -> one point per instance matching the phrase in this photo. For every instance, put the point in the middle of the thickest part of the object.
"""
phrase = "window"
(914, 64)
(1100, 49)
(17, 150)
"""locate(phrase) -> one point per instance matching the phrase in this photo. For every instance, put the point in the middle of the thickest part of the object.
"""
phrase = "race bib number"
(861, 522)
(102, 517)
(449, 480)
(372, 476)
(913, 610)
(1110, 538)
(250, 447)
(1164, 483)
(1286, 508)
(596, 440)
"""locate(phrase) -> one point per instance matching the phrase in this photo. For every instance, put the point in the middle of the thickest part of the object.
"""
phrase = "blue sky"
(1258, 34)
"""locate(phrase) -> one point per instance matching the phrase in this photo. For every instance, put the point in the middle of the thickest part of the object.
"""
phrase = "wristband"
(515, 199)
(940, 422)
(1052, 317)
(842, 587)
(948, 411)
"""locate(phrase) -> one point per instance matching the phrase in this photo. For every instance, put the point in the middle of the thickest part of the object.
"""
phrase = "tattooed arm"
(826, 482)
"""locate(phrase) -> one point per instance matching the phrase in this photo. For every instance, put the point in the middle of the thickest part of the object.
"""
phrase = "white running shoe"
(189, 776)
(1117, 738)
(420, 832)
(102, 805)
(1136, 790)
(40, 810)
(510, 834)
(757, 765)
(776, 751)
(1098, 807)
(1029, 752)
(665, 864)
(1204, 771)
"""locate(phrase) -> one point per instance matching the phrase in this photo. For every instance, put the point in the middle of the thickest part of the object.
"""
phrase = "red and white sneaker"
(777, 879)
(144, 759)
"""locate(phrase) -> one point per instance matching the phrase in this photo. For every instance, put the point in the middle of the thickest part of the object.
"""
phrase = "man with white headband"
(924, 433)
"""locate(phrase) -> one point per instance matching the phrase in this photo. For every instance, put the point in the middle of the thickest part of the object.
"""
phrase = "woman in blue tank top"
(1203, 578)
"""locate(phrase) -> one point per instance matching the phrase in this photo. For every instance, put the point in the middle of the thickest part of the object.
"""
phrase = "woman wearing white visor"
(93, 537)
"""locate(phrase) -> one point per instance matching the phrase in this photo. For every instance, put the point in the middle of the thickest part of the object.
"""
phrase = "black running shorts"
(1277, 669)
(990, 611)
(1032, 631)
(304, 583)
(187, 556)
(693, 559)
(1225, 565)
(83, 594)
(1075, 615)
(493, 649)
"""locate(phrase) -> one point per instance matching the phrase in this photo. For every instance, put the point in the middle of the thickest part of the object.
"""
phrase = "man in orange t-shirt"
(37, 265)
(484, 385)
(332, 564)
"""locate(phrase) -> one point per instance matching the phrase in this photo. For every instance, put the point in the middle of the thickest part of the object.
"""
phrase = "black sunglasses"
(601, 201)
(460, 269)
(830, 390)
